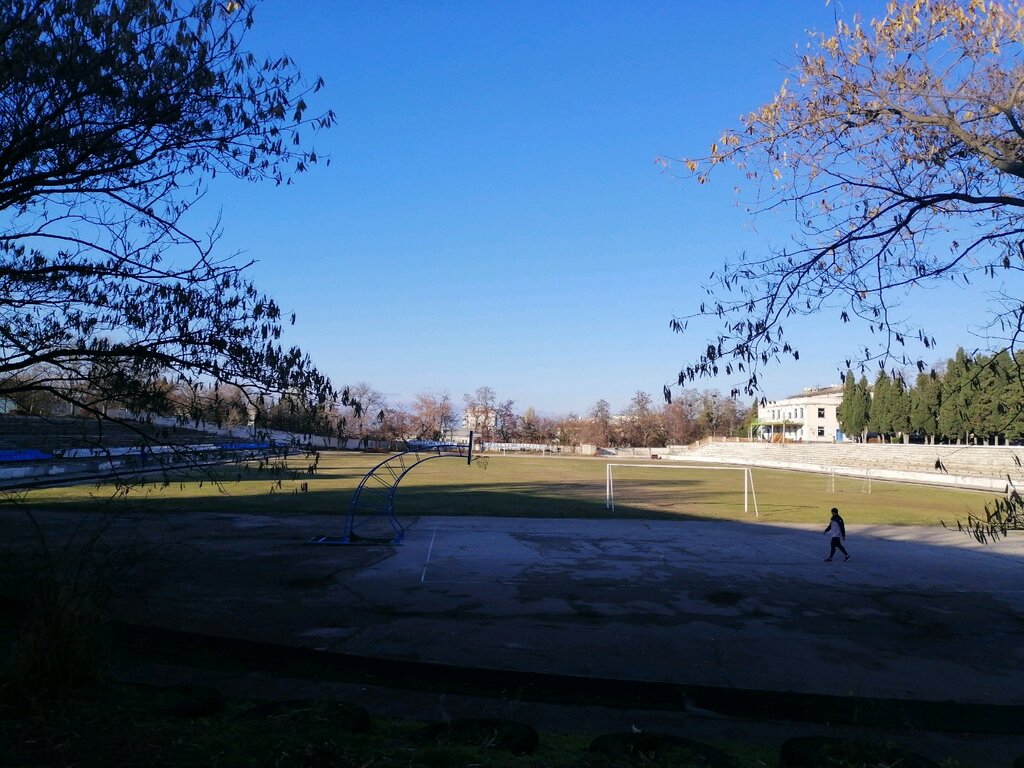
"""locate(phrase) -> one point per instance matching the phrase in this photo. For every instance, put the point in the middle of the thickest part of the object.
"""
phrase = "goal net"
(704, 484)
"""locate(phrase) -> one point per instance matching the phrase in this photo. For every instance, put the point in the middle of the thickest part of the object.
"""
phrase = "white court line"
(423, 576)
(631, 585)
(843, 563)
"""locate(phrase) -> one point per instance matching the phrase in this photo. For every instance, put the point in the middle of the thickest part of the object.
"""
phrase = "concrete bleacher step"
(942, 462)
(50, 435)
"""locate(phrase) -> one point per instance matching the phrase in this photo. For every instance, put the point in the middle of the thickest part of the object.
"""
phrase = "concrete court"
(913, 614)
(919, 613)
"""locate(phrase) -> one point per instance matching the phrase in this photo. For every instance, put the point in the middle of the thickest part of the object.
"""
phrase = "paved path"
(920, 613)
(917, 613)
(914, 614)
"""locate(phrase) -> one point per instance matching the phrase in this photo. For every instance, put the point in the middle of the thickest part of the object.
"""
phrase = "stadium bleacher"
(27, 433)
(35, 450)
(939, 464)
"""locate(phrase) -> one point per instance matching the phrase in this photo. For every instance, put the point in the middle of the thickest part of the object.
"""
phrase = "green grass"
(135, 725)
(114, 725)
(528, 487)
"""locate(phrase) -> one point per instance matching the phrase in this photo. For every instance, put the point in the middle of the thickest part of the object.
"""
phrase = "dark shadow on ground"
(560, 500)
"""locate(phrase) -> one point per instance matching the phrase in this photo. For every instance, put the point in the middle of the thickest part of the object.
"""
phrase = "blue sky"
(493, 214)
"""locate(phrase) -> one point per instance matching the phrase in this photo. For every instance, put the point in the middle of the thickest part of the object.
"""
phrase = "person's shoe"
(828, 559)
(846, 558)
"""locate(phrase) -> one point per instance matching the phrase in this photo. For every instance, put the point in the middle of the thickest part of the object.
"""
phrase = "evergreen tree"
(1013, 415)
(879, 413)
(853, 412)
(748, 426)
(864, 397)
(599, 424)
(985, 408)
(924, 406)
(899, 409)
(953, 419)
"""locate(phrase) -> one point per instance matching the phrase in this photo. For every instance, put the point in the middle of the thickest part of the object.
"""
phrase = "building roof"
(832, 389)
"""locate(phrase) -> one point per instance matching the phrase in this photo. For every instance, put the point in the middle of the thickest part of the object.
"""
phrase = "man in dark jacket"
(837, 529)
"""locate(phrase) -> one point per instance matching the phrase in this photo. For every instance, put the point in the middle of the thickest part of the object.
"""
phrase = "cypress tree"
(924, 406)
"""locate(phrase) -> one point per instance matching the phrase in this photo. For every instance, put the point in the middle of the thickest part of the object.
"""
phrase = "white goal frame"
(748, 481)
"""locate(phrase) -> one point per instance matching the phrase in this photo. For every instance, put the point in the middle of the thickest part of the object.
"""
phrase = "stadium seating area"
(939, 461)
(35, 451)
(28, 433)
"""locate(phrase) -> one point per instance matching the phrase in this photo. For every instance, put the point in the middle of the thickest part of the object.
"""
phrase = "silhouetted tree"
(897, 147)
(114, 114)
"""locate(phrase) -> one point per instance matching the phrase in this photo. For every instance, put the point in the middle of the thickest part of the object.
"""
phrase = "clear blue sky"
(493, 215)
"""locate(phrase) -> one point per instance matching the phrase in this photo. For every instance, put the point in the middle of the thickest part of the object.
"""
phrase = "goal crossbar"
(748, 481)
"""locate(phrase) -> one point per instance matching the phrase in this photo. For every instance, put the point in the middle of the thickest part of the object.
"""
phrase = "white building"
(811, 417)
(480, 419)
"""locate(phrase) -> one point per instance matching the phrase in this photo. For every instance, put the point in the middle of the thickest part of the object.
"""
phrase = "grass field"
(501, 486)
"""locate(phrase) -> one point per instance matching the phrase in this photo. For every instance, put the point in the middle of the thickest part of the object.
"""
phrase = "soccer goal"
(865, 486)
(749, 497)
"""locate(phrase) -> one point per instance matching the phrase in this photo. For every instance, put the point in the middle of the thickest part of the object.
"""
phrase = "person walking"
(837, 530)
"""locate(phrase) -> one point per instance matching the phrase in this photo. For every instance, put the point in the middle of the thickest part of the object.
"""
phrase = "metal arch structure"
(374, 498)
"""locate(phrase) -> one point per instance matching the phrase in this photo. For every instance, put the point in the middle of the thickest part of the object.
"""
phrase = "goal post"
(749, 496)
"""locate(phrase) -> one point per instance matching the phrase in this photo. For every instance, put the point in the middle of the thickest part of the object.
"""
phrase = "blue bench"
(27, 454)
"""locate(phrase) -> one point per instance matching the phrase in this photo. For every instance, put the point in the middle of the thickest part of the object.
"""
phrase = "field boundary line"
(426, 563)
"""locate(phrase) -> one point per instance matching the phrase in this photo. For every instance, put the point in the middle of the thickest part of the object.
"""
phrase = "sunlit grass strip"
(549, 487)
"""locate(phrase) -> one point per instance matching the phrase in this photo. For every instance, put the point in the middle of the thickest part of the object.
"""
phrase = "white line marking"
(423, 576)
(793, 549)
(675, 554)
(843, 563)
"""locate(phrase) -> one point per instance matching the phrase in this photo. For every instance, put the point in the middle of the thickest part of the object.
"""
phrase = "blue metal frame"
(383, 480)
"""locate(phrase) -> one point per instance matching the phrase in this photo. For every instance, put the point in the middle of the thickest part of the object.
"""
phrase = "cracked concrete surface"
(921, 613)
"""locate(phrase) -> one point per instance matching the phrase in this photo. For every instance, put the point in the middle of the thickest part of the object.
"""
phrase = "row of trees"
(643, 422)
(978, 399)
(114, 394)
(896, 144)
(367, 413)
(690, 416)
